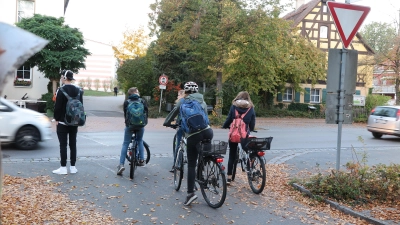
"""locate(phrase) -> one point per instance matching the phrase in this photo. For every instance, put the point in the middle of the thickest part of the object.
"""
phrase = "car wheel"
(376, 135)
(27, 138)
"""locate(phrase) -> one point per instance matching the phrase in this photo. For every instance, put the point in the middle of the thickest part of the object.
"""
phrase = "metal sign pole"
(159, 110)
(341, 106)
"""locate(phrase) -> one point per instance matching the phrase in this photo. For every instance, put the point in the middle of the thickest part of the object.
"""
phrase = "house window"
(288, 95)
(323, 32)
(324, 9)
(315, 96)
(23, 76)
(25, 9)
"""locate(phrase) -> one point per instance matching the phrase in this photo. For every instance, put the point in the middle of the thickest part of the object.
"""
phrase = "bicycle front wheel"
(178, 171)
(256, 175)
(146, 152)
(133, 165)
(213, 183)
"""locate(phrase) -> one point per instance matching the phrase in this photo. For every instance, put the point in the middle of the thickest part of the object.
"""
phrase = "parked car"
(384, 120)
(23, 127)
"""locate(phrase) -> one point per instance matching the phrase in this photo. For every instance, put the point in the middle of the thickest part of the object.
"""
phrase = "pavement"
(150, 198)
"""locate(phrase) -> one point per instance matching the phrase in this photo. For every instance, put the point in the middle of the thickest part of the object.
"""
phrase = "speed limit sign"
(163, 80)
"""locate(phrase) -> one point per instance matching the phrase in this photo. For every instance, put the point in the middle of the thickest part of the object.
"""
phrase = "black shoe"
(172, 170)
(228, 181)
(190, 198)
(141, 163)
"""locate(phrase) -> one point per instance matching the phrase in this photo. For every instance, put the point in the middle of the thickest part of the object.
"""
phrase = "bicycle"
(210, 173)
(251, 159)
(133, 159)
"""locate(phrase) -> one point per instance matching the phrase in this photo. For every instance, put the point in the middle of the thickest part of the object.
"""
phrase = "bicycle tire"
(257, 172)
(235, 164)
(133, 165)
(213, 186)
(178, 171)
(174, 145)
(146, 152)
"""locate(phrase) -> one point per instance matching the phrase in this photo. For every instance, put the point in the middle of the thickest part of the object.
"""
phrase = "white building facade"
(27, 80)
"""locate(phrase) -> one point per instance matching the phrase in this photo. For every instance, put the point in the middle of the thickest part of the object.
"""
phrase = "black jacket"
(135, 97)
(61, 100)
(249, 119)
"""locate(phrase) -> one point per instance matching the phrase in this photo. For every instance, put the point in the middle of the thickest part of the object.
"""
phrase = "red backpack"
(238, 129)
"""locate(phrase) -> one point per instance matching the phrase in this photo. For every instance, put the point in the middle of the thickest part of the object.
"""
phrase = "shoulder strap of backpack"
(244, 114)
(65, 93)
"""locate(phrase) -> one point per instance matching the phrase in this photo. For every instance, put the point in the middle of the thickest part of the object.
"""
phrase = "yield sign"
(348, 19)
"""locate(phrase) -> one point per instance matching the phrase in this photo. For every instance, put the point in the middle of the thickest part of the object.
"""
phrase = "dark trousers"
(192, 154)
(64, 133)
(232, 156)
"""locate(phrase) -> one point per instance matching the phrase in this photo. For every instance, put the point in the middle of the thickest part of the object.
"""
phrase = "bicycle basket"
(216, 148)
(258, 143)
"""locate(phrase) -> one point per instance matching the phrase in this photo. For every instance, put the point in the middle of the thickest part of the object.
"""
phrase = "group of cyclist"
(241, 103)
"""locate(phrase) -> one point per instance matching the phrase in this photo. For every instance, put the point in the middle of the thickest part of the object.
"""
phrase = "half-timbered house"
(315, 23)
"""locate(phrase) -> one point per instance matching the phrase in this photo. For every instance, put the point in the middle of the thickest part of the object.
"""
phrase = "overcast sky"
(105, 21)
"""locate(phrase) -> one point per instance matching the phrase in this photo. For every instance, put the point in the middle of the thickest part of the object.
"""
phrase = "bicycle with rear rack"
(251, 158)
(132, 158)
(210, 173)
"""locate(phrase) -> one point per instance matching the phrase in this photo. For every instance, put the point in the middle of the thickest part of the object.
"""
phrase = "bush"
(48, 97)
(372, 101)
(216, 121)
(359, 184)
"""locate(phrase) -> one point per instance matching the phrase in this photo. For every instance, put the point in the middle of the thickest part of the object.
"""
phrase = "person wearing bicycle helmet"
(242, 104)
(193, 139)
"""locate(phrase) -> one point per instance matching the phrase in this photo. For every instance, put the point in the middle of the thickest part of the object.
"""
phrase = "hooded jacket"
(241, 106)
(175, 111)
(135, 97)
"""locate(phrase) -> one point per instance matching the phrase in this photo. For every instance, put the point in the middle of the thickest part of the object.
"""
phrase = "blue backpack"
(193, 117)
(75, 113)
(135, 114)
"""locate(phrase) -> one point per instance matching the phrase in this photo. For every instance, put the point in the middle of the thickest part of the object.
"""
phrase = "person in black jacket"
(133, 95)
(66, 133)
(241, 103)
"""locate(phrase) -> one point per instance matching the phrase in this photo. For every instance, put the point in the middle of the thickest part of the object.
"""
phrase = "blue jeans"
(127, 139)
(179, 134)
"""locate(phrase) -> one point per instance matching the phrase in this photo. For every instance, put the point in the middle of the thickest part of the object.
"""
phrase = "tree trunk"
(54, 86)
(396, 88)
(219, 99)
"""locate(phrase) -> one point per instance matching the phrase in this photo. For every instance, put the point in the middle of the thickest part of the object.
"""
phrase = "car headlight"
(43, 119)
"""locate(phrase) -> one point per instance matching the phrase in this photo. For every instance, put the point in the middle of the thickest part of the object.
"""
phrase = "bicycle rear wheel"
(213, 184)
(256, 175)
(178, 171)
(133, 164)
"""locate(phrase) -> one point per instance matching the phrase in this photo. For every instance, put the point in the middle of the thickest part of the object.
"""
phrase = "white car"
(23, 127)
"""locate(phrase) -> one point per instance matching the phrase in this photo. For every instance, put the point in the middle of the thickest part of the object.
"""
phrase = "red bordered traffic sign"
(348, 19)
(163, 80)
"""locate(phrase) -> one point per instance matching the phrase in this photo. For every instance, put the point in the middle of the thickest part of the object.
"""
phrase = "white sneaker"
(61, 170)
(72, 169)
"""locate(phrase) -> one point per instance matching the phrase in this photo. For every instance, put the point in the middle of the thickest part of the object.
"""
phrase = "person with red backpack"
(241, 120)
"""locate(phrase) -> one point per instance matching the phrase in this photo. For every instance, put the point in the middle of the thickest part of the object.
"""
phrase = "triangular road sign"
(348, 19)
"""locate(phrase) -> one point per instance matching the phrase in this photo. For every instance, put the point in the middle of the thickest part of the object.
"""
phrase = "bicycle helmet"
(191, 87)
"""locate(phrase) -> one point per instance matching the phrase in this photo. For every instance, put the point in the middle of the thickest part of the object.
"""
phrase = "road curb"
(342, 208)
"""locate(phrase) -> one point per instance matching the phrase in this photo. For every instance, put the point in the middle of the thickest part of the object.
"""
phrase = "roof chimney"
(299, 3)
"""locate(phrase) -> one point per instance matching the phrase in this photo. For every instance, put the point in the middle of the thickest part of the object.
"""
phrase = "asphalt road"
(150, 197)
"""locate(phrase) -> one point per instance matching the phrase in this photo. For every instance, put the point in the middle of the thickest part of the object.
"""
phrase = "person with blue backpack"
(135, 113)
(195, 124)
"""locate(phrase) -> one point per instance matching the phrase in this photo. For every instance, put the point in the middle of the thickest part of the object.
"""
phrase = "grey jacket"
(175, 111)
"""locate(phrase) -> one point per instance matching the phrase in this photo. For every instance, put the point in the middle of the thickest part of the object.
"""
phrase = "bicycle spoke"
(257, 174)
(213, 188)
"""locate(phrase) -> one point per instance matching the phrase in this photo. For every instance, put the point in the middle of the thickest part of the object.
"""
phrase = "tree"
(134, 44)
(380, 37)
(229, 39)
(65, 48)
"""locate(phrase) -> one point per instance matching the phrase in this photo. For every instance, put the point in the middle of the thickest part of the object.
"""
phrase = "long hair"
(243, 95)
(180, 92)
